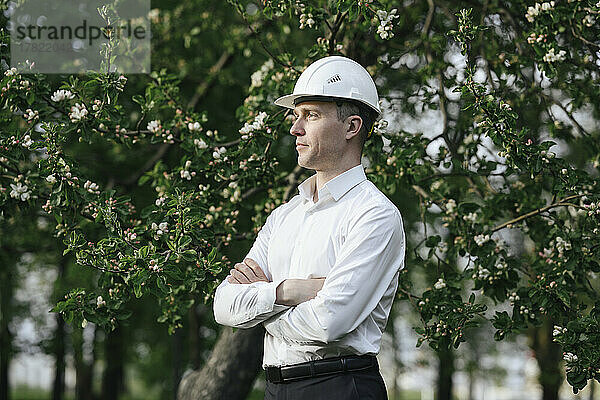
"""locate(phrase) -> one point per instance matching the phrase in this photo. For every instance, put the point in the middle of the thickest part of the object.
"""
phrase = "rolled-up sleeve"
(247, 305)
(366, 267)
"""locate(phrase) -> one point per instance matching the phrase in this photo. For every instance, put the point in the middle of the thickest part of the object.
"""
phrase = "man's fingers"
(247, 271)
(239, 276)
(231, 279)
(256, 269)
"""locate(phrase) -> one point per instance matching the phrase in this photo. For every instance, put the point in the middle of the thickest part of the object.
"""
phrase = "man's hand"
(247, 272)
(292, 292)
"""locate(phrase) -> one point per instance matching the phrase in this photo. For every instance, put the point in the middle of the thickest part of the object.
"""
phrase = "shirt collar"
(337, 186)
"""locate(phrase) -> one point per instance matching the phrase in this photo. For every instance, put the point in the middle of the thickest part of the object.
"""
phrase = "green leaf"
(184, 241)
(161, 284)
(137, 290)
(564, 297)
(190, 255)
(432, 241)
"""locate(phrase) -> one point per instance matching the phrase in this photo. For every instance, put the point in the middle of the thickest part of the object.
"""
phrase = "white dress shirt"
(353, 236)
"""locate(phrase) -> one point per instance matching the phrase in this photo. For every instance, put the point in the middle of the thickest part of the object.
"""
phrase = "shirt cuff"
(267, 295)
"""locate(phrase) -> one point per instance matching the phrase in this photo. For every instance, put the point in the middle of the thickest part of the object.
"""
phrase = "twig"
(149, 164)
(273, 56)
(584, 40)
(561, 203)
(339, 19)
(292, 182)
(212, 74)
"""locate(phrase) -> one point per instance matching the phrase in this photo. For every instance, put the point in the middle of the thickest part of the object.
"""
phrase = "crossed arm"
(290, 292)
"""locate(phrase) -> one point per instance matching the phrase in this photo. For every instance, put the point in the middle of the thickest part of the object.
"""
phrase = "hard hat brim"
(289, 101)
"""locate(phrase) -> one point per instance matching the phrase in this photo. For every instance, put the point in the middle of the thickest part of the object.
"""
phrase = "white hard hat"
(332, 78)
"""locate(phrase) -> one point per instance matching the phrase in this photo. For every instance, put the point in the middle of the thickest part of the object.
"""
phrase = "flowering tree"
(512, 161)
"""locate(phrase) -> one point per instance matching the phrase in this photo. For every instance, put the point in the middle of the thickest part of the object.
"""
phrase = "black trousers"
(354, 385)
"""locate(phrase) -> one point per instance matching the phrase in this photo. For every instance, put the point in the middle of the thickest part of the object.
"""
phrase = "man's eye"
(312, 115)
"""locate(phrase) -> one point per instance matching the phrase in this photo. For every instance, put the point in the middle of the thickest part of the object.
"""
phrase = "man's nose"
(297, 129)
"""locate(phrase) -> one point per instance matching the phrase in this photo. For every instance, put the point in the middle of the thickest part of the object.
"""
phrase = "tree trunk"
(5, 350)
(83, 369)
(195, 353)
(6, 312)
(548, 356)
(445, 372)
(177, 343)
(58, 388)
(112, 380)
(231, 369)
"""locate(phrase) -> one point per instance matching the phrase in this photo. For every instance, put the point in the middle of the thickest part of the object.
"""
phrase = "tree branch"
(561, 203)
(212, 74)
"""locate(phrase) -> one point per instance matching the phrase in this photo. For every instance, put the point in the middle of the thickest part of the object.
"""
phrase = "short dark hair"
(366, 113)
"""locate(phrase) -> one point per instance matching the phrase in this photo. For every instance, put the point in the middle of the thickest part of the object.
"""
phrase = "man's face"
(320, 136)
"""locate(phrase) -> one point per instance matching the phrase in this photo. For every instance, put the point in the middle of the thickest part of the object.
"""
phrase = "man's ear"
(353, 125)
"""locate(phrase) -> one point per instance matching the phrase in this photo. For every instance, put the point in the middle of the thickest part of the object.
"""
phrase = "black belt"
(322, 367)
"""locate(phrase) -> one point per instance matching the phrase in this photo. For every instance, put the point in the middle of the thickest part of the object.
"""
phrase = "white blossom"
(562, 245)
(20, 192)
(440, 284)
(258, 76)
(306, 20)
(483, 273)
(218, 151)
(61, 95)
(470, 217)
(100, 302)
(160, 229)
(482, 239)
(570, 357)
(558, 330)
(27, 142)
(546, 6)
(51, 178)
(194, 126)
(91, 187)
(258, 123)
(450, 206)
(153, 126)
(121, 83)
(10, 72)
(589, 20)
(130, 235)
(384, 30)
(185, 174)
(533, 12)
(159, 202)
(236, 196)
(30, 114)
(153, 266)
(550, 56)
(78, 112)
(201, 144)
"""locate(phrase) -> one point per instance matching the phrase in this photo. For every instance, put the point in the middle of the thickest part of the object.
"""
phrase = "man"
(323, 272)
